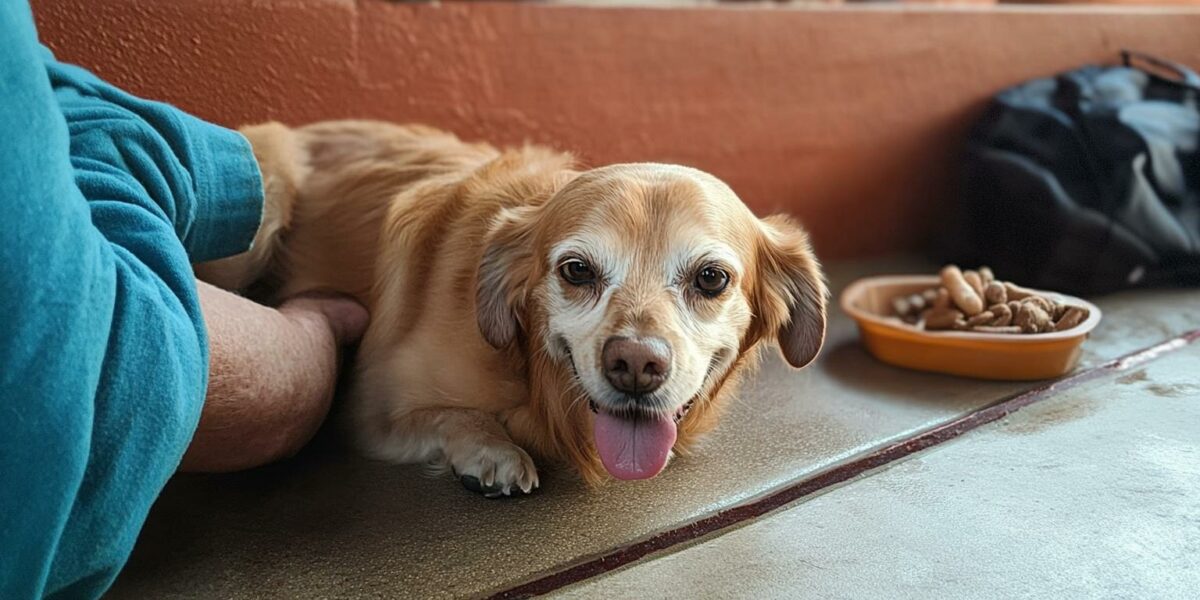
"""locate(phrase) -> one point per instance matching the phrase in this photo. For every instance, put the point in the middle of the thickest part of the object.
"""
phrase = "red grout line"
(625, 555)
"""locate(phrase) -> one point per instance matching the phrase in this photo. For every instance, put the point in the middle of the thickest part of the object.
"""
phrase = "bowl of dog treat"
(969, 323)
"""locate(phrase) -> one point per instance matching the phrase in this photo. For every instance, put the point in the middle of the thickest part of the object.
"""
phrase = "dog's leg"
(470, 442)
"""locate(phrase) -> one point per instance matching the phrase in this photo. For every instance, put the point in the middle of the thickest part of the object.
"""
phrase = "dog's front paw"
(498, 469)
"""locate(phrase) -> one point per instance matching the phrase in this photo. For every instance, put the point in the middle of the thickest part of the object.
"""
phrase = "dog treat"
(1013, 307)
(975, 281)
(961, 292)
(1042, 303)
(1003, 315)
(994, 293)
(943, 299)
(974, 300)
(916, 303)
(1072, 317)
(910, 308)
(1060, 310)
(943, 318)
(983, 318)
(1032, 319)
(1015, 292)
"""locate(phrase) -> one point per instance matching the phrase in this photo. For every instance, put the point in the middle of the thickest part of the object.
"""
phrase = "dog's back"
(397, 217)
(329, 187)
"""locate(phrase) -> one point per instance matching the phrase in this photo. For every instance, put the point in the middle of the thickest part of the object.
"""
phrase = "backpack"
(1087, 182)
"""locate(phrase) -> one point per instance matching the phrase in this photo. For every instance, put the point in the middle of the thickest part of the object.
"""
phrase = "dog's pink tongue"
(633, 449)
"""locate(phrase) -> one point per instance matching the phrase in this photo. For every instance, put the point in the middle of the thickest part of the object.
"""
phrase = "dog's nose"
(636, 366)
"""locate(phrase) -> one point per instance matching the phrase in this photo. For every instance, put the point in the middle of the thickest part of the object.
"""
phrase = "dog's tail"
(284, 164)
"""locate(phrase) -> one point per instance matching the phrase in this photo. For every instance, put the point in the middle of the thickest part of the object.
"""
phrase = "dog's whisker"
(578, 399)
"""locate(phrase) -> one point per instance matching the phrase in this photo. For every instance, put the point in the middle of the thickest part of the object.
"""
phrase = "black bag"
(1087, 182)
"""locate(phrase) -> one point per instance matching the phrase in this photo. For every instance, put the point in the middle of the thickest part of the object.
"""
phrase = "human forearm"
(271, 376)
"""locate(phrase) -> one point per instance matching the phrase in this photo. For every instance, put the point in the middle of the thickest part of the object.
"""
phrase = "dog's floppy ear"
(791, 295)
(504, 271)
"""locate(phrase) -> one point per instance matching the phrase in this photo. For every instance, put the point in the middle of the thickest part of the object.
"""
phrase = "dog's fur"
(477, 348)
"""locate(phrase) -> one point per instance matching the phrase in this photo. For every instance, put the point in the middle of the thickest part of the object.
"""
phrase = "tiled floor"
(329, 523)
(1091, 494)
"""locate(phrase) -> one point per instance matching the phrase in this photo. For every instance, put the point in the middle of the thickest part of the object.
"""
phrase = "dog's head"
(645, 286)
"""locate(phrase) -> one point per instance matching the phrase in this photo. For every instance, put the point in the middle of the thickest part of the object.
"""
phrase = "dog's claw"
(473, 484)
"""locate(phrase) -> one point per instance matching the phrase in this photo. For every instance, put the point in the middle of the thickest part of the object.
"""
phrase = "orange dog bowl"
(966, 353)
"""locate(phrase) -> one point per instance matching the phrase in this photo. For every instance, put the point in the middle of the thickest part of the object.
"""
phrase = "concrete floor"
(331, 524)
(1091, 494)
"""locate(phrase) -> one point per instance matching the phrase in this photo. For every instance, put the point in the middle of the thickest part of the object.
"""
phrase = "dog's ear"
(790, 298)
(504, 271)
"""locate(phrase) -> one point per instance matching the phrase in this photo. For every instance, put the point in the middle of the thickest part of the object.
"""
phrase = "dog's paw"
(499, 469)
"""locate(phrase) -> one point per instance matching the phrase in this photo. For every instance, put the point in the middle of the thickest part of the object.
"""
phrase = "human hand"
(272, 374)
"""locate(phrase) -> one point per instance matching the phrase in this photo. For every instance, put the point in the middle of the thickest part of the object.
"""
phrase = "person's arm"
(161, 165)
(55, 298)
(271, 376)
(104, 201)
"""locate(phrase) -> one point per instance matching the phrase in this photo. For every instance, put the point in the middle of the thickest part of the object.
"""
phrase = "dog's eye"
(711, 281)
(577, 272)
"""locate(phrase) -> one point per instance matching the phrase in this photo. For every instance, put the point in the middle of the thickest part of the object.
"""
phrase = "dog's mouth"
(677, 416)
(637, 444)
(633, 443)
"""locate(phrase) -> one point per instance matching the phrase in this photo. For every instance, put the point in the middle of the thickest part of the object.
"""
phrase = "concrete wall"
(849, 118)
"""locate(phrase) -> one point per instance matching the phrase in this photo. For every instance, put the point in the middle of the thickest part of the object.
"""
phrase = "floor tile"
(1093, 494)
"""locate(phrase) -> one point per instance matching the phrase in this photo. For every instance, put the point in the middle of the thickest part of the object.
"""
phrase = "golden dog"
(600, 317)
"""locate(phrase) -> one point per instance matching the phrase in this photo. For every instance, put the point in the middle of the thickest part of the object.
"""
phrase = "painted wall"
(850, 119)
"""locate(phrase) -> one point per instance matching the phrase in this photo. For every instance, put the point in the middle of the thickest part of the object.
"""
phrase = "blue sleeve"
(104, 201)
(160, 163)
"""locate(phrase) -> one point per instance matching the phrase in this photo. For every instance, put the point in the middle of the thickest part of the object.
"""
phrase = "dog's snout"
(636, 366)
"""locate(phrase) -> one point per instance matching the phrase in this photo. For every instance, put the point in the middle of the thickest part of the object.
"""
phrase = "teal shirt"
(105, 200)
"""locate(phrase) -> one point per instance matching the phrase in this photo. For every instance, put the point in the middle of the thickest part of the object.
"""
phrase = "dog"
(522, 305)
